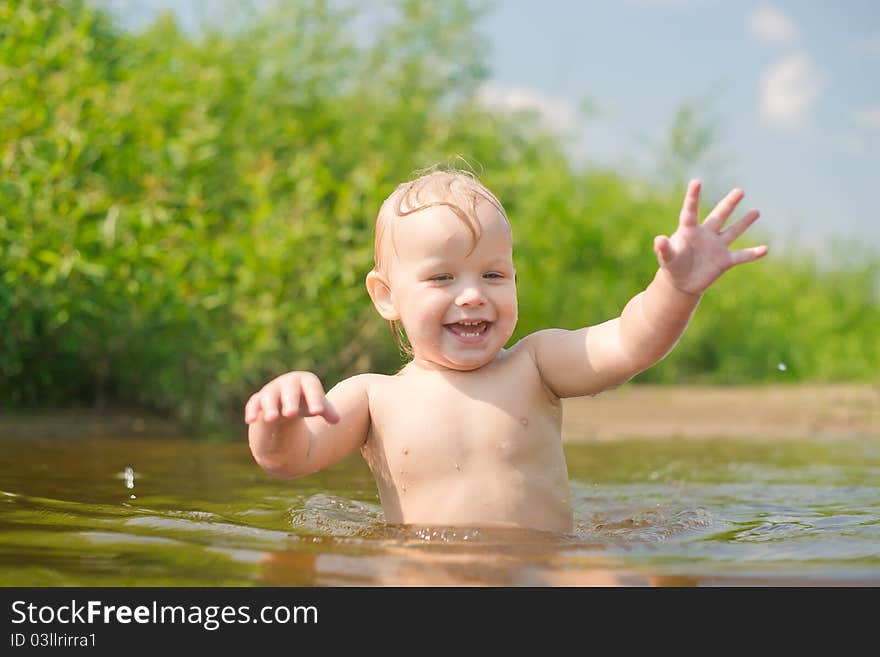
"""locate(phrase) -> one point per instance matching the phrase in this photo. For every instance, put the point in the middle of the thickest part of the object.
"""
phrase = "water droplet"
(128, 476)
(781, 367)
(405, 451)
(457, 466)
(133, 497)
(524, 421)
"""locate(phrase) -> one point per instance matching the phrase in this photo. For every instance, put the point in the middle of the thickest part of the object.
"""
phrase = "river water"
(183, 512)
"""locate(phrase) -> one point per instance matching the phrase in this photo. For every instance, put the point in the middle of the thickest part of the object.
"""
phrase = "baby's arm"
(295, 429)
(652, 322)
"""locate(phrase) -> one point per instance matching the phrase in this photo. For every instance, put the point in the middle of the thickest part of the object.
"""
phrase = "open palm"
(698, 253)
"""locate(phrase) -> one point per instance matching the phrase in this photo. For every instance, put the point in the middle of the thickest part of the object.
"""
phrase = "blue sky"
(792, 88)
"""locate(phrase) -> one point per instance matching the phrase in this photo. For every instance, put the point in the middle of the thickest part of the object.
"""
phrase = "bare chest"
(429, 425)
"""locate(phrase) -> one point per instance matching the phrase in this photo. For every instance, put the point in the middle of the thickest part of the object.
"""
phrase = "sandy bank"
(772, 412)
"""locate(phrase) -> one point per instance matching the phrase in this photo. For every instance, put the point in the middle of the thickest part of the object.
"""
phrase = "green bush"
(183, 216)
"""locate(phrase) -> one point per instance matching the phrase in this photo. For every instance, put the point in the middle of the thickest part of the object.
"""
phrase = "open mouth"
(468, 331)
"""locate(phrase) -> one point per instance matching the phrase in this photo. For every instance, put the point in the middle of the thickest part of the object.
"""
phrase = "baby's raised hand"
(697, 254)
(295, 394)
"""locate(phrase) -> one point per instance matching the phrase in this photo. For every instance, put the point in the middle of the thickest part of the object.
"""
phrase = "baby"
(468, 433)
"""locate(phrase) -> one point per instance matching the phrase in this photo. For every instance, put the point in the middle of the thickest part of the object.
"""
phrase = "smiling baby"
(468, 432)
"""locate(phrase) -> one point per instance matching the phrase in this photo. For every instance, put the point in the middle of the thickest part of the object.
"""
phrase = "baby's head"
(444, 270)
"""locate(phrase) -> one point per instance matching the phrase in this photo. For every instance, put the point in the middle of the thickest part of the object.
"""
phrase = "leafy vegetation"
(183, 216)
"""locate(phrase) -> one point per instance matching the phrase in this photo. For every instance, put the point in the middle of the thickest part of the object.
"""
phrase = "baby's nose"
(470, 295)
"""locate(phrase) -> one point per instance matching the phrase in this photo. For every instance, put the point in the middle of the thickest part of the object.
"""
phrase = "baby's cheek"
(426, 326)
(433, 311)
(510, 311)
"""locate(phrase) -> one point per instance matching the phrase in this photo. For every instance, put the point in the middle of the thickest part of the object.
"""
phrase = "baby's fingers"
(747, 255)
(721, 212)
(691, 206)
(738, 227)
(663, 249)
(290, 400)
(261, 402)
(316, 401)
(252, 409)
(330, 413)
(270, 399)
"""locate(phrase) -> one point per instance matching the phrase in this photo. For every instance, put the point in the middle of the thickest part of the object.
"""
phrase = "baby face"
(456, 300)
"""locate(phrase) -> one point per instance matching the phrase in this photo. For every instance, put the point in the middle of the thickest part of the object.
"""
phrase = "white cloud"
(867, 117)
(556, 115)
(788, 89)
(849, 144)
(769, 25)
(869, 45)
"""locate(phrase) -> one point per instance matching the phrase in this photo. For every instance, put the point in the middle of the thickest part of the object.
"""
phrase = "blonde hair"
(457, 189)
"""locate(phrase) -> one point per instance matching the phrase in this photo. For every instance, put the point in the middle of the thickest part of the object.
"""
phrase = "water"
(108, 512)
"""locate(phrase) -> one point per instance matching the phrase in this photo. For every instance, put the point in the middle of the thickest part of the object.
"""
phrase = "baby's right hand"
(296, 394)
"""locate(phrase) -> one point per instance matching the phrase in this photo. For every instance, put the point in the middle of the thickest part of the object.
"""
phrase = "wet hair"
(457, 189)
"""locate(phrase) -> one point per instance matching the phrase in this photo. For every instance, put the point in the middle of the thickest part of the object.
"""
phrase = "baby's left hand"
(697, 254)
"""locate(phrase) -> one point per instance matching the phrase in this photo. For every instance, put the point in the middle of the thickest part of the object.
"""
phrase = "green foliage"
(184, 216)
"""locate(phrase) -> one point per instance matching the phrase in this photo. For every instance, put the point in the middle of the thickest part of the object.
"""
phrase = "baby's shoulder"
(525, 353)
(528, 345)
(355, 388)
(363, 382)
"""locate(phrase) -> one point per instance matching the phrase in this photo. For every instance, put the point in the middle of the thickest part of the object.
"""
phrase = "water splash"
(781, 367)
(336, 516)
(128, 476)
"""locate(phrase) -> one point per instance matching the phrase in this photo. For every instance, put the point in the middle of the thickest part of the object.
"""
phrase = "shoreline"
(771, 412)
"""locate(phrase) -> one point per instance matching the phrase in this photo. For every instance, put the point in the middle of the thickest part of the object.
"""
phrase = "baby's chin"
(458, 364)
(471, 366)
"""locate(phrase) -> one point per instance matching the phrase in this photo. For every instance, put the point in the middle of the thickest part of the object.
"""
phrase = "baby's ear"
(380, 293)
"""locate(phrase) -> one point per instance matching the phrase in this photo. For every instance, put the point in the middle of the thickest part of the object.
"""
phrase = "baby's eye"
(441, 277)
(493, 274)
